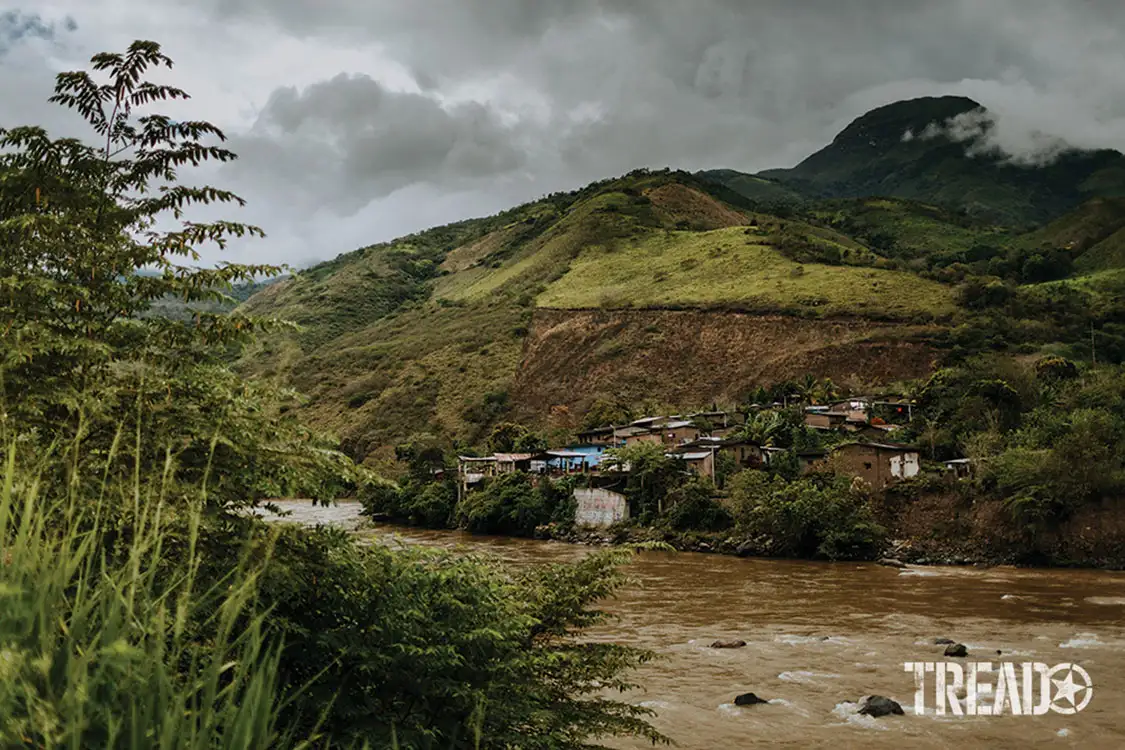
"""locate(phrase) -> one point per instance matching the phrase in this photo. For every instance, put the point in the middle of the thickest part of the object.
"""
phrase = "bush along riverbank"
(759, 513)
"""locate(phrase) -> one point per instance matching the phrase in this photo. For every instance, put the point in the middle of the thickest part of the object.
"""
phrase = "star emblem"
(1068, 689)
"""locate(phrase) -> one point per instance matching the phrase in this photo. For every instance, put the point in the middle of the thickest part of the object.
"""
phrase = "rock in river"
(728, 644)
(876, 706)
(890, 562)
(956, 649)
(943, 641)
(749, 699)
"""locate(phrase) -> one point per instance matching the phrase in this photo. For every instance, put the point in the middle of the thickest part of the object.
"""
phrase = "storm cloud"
(347, 141)
(359, 120)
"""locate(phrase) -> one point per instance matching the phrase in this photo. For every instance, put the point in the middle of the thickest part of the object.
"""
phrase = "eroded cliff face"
(693, 358)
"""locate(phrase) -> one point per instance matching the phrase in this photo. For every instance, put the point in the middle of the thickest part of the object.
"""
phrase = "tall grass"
(98, 598)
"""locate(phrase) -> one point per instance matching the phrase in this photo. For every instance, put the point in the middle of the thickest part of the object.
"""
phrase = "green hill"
(677, 291)
(1094, 234)
(430, 332)
(893, 151)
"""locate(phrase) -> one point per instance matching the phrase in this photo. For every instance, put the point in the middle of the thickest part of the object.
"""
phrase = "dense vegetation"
(140, 605)
(1049, 438)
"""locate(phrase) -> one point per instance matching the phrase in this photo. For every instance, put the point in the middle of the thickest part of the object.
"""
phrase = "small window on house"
(867, 464)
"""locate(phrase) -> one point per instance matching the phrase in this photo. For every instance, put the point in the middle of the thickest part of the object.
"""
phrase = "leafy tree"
(725, 467)
(652, 475)
(693, 506)
(604, 412)
(504, 436)
(507, 504)
(809, 517)
(424, 454)
(765, 427)
(84, 252)
(1055, 368)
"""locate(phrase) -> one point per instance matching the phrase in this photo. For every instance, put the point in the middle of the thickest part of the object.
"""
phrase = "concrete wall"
(905, 465)
(599, 507)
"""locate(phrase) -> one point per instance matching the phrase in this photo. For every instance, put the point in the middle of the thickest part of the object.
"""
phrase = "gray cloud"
(16, 25)
(359, 120)
(344, 142)
(602, 86)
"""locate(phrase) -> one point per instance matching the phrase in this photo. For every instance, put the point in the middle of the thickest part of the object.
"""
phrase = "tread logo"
(1020, 689)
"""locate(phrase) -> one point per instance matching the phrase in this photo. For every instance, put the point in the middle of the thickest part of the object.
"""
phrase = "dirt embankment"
(943, 527)
(694, 358)
(694, 208)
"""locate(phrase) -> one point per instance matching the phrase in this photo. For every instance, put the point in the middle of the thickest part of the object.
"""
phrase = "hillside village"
(859, 434)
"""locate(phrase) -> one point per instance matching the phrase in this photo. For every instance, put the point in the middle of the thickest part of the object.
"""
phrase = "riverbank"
(931, 530)
(936, 529)
(942, 527)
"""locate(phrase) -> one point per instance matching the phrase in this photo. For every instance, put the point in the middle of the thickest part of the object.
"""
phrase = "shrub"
(809, 517)
(508, 504)
(695, 508)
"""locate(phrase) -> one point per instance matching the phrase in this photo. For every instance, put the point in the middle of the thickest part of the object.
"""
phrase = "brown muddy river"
(820, 635)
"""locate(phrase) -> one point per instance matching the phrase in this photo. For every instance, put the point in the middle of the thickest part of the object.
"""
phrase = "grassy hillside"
(430, 332)
(1094, 234)
(908, 230)
(731, 266)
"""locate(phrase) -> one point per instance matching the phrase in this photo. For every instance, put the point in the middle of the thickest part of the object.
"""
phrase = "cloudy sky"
(361, 120)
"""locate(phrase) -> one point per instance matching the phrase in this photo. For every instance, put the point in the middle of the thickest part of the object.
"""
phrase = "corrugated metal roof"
(692, 456)
(476, 459)
(512, 457)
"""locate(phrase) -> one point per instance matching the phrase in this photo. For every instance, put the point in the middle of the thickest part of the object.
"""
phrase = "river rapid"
(820, 635)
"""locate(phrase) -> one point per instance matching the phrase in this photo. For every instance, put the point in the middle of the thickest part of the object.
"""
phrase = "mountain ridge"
(904, 149)
(621, 289)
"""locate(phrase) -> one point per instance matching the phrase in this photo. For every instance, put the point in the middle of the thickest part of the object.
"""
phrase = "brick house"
(880, 464)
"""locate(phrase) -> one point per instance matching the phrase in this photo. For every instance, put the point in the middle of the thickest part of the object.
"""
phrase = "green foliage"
(95, 643)
(604, 412)
(652, 475)
(693, 507)
(1055, 368)
(429, 649)
(1048, 437)
(430, 503)
(510, 437)
(725, 467)
(84, 253)
(507, 504)
(424, 455)
(808, 517)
